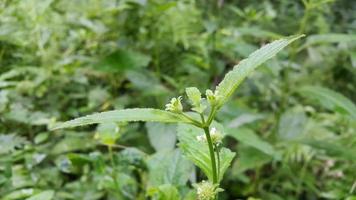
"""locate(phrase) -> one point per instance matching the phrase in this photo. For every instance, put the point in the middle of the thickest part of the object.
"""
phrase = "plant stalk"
(212, 154)
(111, 155)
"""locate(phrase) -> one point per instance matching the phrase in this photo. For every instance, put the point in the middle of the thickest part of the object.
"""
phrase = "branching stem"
(193, 121)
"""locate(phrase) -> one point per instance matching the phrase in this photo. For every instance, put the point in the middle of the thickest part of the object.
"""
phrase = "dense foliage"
(292, 123)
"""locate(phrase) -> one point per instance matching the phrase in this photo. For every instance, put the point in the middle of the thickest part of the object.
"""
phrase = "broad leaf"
(330, 99)
(162, 136)
(234, 78)
(169, 167)
(198, 151)
(292, 124)
(126, 115)
(164, 192)
(9, 143)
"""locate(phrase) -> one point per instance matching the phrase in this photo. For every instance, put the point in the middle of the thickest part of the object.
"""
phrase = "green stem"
(212, 154)
(211, 115)
(111, 155)
(217, 151)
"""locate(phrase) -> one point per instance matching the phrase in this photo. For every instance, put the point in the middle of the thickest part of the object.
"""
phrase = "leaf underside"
(234, 78)
(126, 115)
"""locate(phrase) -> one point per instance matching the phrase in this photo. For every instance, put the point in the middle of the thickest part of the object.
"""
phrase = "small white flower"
(175, 105)
(339, 174)
(213, 130)
(215, 135)
(201, 138)
(330, 163)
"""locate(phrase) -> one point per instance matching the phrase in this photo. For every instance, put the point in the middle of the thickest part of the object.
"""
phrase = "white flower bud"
(201, 138)
(215, 135)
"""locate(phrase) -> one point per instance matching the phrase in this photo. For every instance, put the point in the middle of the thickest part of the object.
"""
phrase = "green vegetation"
(284, 131)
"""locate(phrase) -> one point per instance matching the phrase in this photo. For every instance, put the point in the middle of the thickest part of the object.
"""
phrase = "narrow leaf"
(46, 195)
(126, 115)
(234, 78)
(250, 138)
(328, 38)
(330, 99)
(333, 148)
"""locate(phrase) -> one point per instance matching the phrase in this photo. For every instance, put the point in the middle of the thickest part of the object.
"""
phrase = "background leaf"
(329, 38)
(330, 100)
(46, 195)
(248, 137)
(291, 124)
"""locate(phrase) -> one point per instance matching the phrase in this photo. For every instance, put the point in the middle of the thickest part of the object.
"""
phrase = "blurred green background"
(292, 124)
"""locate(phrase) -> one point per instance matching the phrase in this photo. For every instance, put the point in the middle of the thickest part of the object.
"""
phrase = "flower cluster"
(207, 190)
(175, 105)
(198, 103)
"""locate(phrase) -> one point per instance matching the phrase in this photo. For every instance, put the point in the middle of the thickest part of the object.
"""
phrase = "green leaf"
(333, 148)
(198, 152)
(73, 141)
(164, 192)
(330, 99)
(162, 136)
(292, 124)
(122, 60)
(20, 194)
(9, 143)
(248, 137)
(169, 167)
(126, 115)
(46, 195)
(249, 158)
(234, 78)
(194, 95)
(107, 133)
